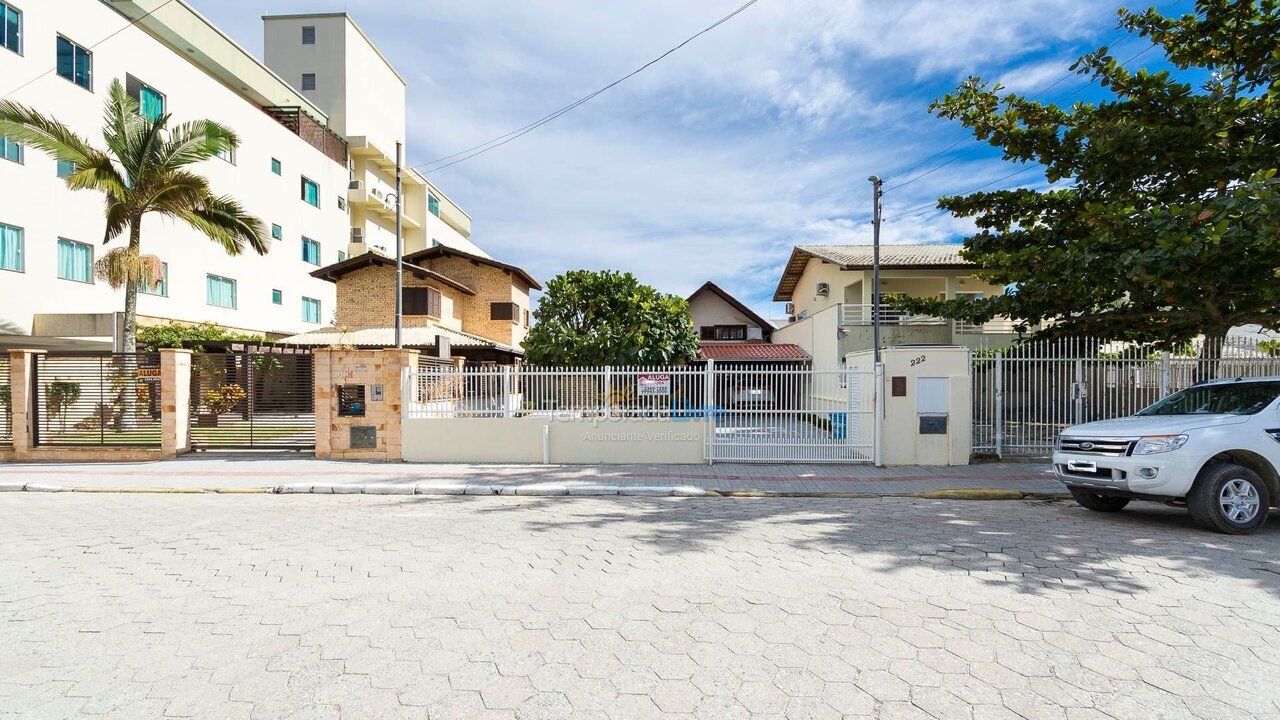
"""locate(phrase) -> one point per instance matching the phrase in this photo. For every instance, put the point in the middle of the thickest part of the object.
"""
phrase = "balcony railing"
(315, 134)
(851, 314)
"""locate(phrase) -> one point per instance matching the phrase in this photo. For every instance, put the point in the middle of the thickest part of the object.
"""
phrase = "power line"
(934, 206)
(91, 47)
(501, 140)
(1037, 96)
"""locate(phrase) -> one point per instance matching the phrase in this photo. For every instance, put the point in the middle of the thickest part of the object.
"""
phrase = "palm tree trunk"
(130, 342)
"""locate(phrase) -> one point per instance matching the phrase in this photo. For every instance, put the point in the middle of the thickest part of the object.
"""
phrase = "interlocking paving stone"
(510, 606)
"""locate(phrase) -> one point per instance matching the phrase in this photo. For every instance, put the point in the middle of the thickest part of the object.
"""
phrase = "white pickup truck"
(1212, 448)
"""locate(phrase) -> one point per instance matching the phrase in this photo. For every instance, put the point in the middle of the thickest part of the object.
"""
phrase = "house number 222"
(918, 360)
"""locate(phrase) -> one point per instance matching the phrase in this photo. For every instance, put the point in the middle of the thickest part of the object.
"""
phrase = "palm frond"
(225, 221)
(123, 129)
(118, 218)
(177, 190)
(27, 126)
(97, 173)
(194, 142)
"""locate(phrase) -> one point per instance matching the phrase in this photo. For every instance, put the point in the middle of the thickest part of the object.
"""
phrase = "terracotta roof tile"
(752, 351)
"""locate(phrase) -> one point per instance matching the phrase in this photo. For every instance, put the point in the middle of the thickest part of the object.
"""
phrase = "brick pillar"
(324, 401)
(175, 401)
(394, 364)
(21, 367)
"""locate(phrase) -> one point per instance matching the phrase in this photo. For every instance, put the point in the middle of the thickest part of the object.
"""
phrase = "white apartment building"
(291, 169)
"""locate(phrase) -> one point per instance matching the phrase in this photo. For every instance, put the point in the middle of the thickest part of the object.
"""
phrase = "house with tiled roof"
(455, 304)
(828, 291)
(730, 331)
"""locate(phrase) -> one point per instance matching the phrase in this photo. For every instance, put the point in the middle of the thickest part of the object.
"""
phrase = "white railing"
(997, 326)
(748, 413)
(889, 315)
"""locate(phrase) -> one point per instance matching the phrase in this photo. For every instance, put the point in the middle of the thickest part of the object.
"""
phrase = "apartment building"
(317, 121)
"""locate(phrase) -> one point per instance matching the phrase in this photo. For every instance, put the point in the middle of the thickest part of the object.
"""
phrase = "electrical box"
(363, 437)
(931, 396)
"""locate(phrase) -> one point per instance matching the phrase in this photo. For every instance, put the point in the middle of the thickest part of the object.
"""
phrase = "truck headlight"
(1152, 444)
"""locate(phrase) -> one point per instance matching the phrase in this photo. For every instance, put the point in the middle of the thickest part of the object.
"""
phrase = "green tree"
(1162, 220)
(145, 169)
(179, 335)
(609, 318)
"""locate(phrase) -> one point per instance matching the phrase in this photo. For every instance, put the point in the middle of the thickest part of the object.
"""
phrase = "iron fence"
(253, 400)
(96, 399)
(1024, 396)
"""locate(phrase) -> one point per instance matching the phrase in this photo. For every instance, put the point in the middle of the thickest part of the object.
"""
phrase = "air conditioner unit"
(791, 308)
(824, 288)
(355, 185)
(357, 235)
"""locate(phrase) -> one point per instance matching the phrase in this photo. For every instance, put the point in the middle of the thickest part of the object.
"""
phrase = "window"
(220, 291)
(421, 301)
(162, 285)
(277, 232)
(10, 150)
(308, 34)
(310, 193)
(310, 251)
(526, 318)
(75, 261)
(276, 167)
(341, 256)
(11, 250)
(150, 101)
(433, 205)
(310, 310)
(229, 155)
(723, 332)
(66, 168)
(342, 203)
(308, 81)
(277, 297)
(10, 27)
(504, 311)
(75, 63)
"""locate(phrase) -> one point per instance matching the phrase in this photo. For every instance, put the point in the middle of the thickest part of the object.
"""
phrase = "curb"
(536, 490)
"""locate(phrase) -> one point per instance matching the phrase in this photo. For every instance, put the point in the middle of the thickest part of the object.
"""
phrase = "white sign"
(653, 384)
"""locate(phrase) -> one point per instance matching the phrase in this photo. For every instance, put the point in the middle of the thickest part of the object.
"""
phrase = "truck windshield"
(1244, 398)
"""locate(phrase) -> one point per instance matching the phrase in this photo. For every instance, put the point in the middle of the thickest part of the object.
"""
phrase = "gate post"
(998, 414)
(1165, 367)
(175, 401)
(506, 391)
(608, 391)
(1078, 394)
(24, 400)
(708, 408)
(877, 407)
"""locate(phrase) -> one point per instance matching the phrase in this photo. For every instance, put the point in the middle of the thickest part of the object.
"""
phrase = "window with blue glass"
(75, 261)
(277, 232)
(433, 205)
(12, 252)
(308, 81)
(277, 297)
(10, 150)
(150, 101)
(341, 256)
(308, 34)
(220, 291)
(310, 310)
(10, 28)
(75, 63)
(66, 168)
(310, 192)
(161, 285)
(276, 167)
(310, 251)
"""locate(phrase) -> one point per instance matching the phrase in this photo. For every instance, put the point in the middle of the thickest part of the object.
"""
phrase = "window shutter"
(708, 332)
(433, 302)
(415, 301)
(502, 311)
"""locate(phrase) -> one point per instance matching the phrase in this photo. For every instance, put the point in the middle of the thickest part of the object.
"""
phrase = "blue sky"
(712, 164)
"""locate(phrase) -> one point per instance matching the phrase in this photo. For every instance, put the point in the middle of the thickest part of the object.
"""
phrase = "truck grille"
(1109, 447)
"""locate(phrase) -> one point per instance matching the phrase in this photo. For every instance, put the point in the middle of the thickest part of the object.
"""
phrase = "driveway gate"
(253, 400)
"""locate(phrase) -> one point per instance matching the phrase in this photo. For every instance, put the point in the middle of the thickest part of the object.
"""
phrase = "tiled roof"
(859, 257)
(386, 337)
(853, 257)
(752, 351)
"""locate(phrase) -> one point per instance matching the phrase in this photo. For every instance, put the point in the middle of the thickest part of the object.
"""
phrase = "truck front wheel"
(1098, 503)
(1229, 499)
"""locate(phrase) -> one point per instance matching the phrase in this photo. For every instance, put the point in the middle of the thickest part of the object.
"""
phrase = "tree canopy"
(1160, 220)
(609, 318)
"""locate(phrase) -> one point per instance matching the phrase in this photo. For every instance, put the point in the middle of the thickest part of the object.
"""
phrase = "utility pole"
(399, 247)
(877, 193)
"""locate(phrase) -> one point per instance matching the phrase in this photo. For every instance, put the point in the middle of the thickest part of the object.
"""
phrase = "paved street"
(270, 606)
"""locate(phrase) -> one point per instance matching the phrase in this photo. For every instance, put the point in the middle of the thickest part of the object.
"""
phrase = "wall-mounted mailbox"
(350, 401)
(931, 396)
(933, 424)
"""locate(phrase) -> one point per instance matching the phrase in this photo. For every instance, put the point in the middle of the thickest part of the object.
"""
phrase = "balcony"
(378, 201)
(310, 130)
(863, 315)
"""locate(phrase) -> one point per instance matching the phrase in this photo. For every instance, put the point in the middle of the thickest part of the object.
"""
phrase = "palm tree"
(144, 170)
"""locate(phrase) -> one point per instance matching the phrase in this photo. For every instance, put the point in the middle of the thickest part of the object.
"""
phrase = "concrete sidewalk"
(285, 473)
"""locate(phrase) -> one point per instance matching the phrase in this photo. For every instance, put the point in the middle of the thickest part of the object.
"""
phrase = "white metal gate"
(1024, 396)
(790, 415)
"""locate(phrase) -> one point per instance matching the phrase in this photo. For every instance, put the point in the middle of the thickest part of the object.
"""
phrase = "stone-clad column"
(175, 401)
(21, 367)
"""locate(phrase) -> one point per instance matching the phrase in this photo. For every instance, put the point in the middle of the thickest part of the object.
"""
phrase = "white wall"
(707, 308)
(520, 440)
(36, 200)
